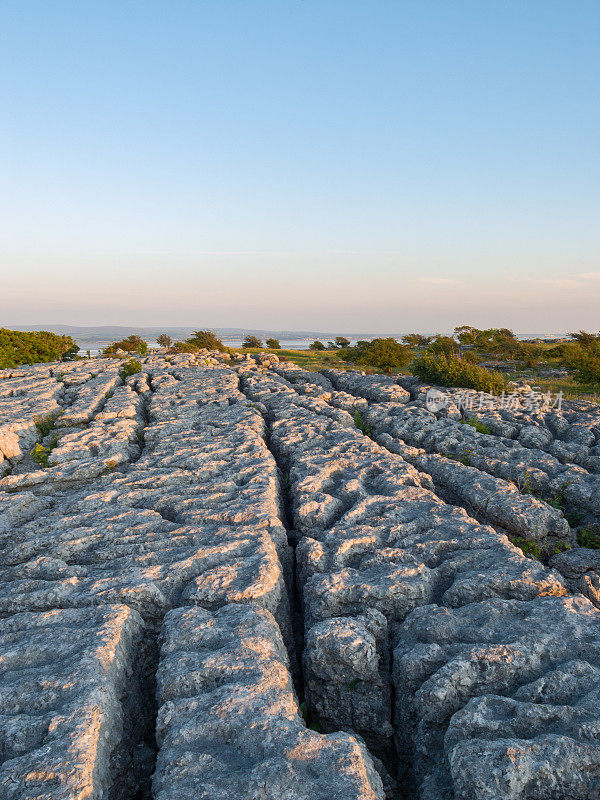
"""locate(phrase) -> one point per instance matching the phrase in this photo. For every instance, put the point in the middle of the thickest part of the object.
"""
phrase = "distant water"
(286, 344)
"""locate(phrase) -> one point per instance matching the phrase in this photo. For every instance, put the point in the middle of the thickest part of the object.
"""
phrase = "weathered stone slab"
(64, 733)
(499, 699)
(228, 721)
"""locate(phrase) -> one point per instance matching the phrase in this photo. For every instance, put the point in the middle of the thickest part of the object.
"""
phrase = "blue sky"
(372, 165)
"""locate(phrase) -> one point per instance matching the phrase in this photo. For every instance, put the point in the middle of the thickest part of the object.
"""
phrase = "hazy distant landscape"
(95, 338)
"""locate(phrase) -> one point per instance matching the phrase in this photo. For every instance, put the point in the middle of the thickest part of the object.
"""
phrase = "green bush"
(40, 454)
(44, 426)
(317, 345)
(205, 340)
(251, 341)
(583, 362)
(183, 347)
(129, 368)
(273, 344)
(529, 353)
(454, 371)
(33, 347)
(416, 339)
(132, 344)
(444, 344)
(341, 341)
(164, 340)
(385, 354)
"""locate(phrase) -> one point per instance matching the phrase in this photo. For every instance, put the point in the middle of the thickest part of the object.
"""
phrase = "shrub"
(415, 339)
(207, 340)
(443, 344)
(385, 354)
(129, 368)
(251, 341)
(341, 341)
(71, 354)
(583, 362)
(317, 345)
(33, 347)
(273, 344)
(530, 353)
(454, 371)
(44, 426)
(132, 344)
(528, 547)
(40, 454)
(164, 340)
(183, 347)
(585, 339)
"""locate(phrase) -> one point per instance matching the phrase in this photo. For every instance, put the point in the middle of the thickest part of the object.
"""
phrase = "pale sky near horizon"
(352, 165)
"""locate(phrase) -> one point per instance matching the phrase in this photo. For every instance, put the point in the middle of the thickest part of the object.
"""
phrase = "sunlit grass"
(312, 360)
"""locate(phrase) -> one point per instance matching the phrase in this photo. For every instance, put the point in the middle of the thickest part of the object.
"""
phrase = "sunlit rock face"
(231, 577)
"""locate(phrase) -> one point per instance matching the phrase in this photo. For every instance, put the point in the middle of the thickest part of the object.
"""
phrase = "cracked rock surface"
(229, 577)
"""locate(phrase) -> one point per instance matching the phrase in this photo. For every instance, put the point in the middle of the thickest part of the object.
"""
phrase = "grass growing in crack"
(362, 424)
(479, 426)
(528, 546)
(589, 537)
(465, 459)
(525, 486)
(534, 549)
(129, 368)
(311, 724)
(557, 500)
(41, 453)
(44, 426)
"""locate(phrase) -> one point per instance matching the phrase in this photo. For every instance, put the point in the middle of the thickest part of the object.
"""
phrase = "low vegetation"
(479, 426)
(449, 370)
(582, 360)
(251, 341)
(131, 367)
(200, 340)
(362, 424)
(589, 537)
(132, 344)
(386, 354)
(34, 347)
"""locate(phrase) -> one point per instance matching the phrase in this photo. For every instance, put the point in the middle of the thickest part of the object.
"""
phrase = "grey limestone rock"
(228, 721)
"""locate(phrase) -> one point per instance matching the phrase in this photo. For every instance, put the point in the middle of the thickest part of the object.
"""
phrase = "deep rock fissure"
(386, 756)
(293, 590)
